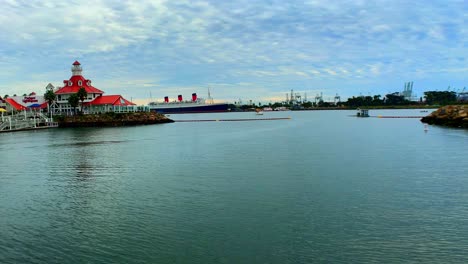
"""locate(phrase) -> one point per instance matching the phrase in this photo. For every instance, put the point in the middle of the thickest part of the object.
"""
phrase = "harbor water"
(321, 187)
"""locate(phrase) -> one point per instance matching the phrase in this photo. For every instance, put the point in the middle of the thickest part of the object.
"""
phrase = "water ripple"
(321, 187)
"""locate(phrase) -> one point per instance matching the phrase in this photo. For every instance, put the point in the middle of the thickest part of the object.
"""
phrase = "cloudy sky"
(242, 49)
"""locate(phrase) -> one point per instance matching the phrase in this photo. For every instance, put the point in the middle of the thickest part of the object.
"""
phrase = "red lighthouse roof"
(77, 81)
(73, 86)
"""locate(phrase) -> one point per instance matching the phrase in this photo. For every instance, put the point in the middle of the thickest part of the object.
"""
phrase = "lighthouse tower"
(76, 68)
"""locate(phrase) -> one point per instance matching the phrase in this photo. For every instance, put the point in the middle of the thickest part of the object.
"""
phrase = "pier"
(26, 120)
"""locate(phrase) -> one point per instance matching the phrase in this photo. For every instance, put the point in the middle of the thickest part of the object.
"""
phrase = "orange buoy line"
(232, 120)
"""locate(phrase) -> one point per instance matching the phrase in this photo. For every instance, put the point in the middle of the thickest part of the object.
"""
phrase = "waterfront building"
(20, 103)
(95, 102)
(109, 103)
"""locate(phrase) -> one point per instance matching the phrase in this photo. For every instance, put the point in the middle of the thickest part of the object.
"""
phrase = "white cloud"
(331, 72)
(268, 45)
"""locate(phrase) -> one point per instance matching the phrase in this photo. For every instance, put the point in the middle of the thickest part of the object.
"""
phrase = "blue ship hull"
(208, 108)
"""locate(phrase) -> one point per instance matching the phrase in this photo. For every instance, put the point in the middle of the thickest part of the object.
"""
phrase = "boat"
(362, 112)
(196, 105)
(259, 111)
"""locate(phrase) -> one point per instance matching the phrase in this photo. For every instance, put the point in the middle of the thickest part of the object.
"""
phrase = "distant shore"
(373, 107)
(353, 108)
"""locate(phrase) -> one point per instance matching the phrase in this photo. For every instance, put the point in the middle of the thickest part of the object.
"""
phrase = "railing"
(25, 120)
(4, 125)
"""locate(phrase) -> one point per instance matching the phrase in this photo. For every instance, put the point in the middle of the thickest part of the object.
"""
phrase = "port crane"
(337, 99)
(318, 98)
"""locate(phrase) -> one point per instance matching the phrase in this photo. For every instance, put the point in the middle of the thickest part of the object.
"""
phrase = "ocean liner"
(196, 105)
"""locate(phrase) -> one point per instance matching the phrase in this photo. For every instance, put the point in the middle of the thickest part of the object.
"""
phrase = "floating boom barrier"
(398, 116)
(234, 120)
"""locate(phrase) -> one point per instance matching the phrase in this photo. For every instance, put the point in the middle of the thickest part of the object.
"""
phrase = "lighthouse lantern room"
(76, 68)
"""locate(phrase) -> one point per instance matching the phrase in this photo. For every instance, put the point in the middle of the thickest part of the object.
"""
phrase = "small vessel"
(258, 112)
(362, 112)
(196, 105)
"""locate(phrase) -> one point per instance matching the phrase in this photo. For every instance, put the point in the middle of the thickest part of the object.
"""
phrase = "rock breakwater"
(450, 115)
(112, 119)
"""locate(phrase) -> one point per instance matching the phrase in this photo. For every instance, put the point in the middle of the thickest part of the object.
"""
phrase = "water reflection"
(77, 154)
(85, 144)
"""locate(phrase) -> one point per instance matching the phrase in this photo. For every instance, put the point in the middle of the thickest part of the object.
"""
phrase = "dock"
(26, 120)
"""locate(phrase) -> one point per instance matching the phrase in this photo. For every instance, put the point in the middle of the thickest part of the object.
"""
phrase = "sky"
(241, 49)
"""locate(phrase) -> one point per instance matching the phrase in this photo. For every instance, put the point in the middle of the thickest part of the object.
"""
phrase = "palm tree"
(82, 94)
(73, 100)
(50, 97)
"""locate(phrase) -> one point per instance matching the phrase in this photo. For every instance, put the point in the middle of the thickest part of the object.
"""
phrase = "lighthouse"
(94, 102)
(76, 68)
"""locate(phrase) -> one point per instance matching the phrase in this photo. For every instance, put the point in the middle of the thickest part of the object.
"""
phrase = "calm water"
(321, 187)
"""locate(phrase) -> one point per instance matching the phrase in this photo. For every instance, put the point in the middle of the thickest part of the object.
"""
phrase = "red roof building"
(20, 103)
(110, 100)
(15, 105)
(95, 101)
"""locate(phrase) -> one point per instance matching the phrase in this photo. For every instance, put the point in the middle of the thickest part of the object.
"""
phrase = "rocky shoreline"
(112, 119)
(450, 115)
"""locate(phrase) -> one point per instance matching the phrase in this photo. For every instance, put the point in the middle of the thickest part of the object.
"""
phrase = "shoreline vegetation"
(372, 107)
(397, 100)
(354, 108)
(112, 119)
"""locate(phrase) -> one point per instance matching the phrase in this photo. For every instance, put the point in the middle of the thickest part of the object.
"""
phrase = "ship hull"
(184, 109)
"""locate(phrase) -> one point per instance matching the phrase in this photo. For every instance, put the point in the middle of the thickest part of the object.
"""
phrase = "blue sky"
(241, 49)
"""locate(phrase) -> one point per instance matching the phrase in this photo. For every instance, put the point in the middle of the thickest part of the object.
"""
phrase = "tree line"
(395, 99)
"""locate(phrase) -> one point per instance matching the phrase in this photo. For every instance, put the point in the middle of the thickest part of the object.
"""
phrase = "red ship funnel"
(179, 97)
(166, 99)
(194, 97)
